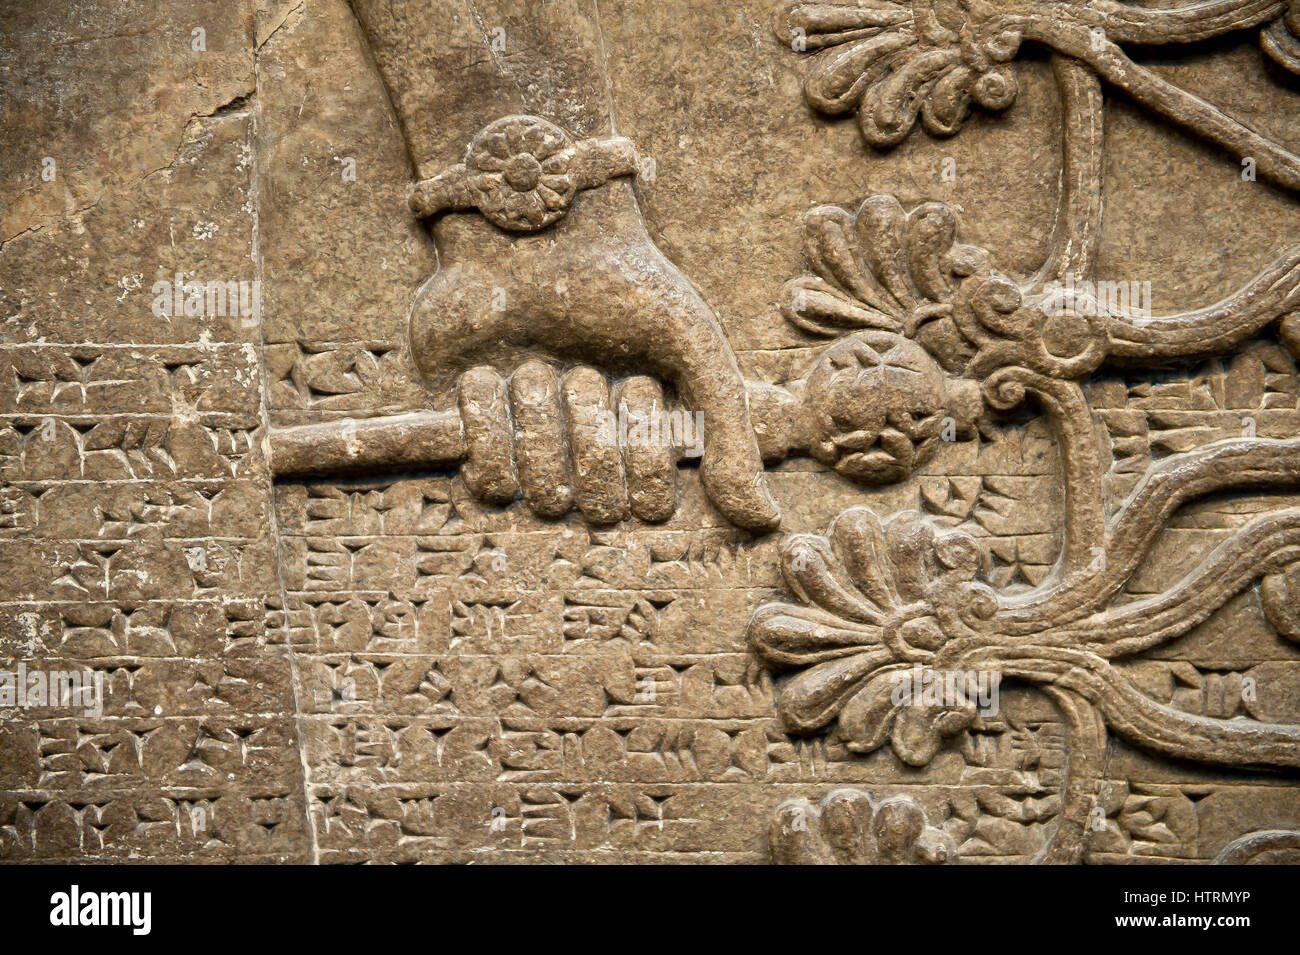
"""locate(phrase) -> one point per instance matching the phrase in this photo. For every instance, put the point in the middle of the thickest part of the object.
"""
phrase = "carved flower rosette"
(878, 601)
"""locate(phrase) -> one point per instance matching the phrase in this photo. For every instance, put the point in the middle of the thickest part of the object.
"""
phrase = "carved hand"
(873, 407)
(560, 263)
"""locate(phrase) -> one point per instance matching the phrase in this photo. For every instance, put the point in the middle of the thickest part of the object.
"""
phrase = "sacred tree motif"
(883, 267)
(876, 600)
(880, 601)
(896, 60)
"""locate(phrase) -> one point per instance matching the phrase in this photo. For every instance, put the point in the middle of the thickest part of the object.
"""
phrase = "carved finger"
(540, 455)
(489, 470)
(695, 355)
(899, 822)
(649, 457)
(846, 826)
(794, 835)
(598, 480)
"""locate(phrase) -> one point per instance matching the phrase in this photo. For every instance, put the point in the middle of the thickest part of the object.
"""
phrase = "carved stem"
(432, 440)
(1247, 463)
(1261, 548)
(1128, 23)
(1080, 461)
(1078, 217)
(1162, 729)
(1175, 104)
(1215, 328)
(419, 440)
(1085, 761)
(1152, 726)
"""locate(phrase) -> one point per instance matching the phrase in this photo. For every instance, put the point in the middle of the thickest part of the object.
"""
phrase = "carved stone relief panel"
(860, 431)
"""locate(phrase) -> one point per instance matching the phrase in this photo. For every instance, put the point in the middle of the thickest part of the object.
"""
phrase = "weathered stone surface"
(602, 434)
